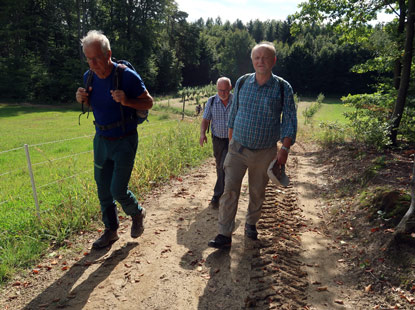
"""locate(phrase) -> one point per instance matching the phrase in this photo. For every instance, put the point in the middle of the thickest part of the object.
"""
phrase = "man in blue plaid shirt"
(255, 127)
(217, 113)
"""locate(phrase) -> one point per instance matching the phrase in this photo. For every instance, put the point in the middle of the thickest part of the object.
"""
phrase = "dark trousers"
(114, 162)
(220, 149)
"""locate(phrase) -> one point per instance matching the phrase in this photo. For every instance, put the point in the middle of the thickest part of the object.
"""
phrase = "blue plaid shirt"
(218, 114)
(256, 121)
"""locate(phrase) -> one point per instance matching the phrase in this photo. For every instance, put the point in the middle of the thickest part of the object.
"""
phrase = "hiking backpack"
(140, 115)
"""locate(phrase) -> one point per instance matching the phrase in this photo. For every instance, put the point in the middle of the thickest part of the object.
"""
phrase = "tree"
(234, 57)
(351, 18)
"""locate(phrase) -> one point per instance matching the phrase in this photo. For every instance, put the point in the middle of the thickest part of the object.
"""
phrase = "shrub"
(369, 122)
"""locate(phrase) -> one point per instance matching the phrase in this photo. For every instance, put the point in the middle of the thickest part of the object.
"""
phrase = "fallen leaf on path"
(322, 289)
(65, 268)
(338, 301)
(316, 283)
(35, 271)
(368, 288)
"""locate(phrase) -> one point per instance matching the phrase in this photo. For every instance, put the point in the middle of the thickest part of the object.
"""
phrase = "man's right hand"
(202, 140)
(276, 169)
(82, 95)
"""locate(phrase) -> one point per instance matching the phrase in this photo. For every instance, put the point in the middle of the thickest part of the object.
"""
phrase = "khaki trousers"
(237, 161)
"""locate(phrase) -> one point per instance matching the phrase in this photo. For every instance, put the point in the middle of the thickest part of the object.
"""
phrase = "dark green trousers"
(113, 164)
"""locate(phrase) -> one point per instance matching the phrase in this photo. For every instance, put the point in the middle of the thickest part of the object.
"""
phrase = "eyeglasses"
(94, 59)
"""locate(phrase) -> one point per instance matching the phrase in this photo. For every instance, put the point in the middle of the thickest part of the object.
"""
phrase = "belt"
(241, 148)
(131, 133)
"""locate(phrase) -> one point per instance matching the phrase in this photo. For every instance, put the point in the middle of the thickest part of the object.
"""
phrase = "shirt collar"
(269, 83)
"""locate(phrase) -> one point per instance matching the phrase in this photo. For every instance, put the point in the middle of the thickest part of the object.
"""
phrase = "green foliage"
(369, 120)
(234, 57)
(320, 98)
(41, 59)
(330, 133)
(309, 112)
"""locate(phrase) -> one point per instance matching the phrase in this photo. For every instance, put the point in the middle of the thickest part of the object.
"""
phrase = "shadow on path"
(62, 293)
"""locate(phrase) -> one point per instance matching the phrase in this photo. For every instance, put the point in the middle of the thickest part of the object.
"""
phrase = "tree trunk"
(405, 225)
(401, 28)
(406, 73)
(78, 15)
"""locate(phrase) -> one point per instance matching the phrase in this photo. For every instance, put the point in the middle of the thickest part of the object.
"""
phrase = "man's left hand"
(119, 96)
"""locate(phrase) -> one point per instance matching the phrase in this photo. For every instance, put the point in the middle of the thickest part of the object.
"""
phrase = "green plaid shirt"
(256, 120)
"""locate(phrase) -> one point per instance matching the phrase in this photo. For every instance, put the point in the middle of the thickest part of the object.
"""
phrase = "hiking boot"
(251, 232)
(220, 242)
(137, 227)
(107, 238)
(214, 203)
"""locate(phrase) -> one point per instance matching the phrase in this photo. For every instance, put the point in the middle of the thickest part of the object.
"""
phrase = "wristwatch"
(287, 149)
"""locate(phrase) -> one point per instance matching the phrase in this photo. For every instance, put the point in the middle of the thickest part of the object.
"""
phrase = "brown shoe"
(107, 238)
(137, 228)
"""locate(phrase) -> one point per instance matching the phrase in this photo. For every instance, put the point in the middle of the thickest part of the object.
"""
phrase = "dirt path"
(292, 266)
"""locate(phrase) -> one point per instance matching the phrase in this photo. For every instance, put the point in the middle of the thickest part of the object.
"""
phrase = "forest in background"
(334, 48)
(42, 61)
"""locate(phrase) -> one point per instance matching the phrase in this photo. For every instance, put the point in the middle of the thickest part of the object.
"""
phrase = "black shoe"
(251, 232)
(214, 203)
(220, 242)
(137, 227)
(107, 238)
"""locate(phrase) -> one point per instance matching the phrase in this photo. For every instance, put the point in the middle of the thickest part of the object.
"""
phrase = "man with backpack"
(116, 140)
(255, 127)
(217, 113)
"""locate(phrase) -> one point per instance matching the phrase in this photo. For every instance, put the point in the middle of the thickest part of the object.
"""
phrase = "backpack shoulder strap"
(117, 78)
(116, 83)
(88, 82)
(241, 82)
(210, 101)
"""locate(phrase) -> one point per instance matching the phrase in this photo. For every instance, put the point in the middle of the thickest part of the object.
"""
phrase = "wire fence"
(37, 168)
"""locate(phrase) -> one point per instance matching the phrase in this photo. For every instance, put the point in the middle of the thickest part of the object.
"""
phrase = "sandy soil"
(293, 265)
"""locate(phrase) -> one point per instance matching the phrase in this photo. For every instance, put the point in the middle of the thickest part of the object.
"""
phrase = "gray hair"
(268, 45)
(96, 36)
(225, 79)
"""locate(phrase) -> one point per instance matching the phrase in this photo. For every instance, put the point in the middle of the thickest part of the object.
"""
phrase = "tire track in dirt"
(278, 280)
